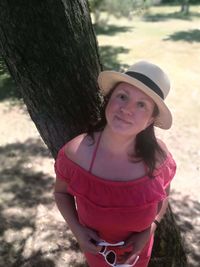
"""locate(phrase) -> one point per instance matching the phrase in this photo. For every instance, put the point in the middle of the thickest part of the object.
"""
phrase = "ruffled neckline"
(116, 182)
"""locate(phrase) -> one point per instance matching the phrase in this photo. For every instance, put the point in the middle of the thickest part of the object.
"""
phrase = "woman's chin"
(125, 131)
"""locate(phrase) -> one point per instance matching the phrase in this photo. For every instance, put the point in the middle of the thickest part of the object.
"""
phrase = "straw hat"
(147, 77)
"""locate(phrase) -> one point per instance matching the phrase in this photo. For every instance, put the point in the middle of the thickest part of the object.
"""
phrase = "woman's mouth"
(122, 120)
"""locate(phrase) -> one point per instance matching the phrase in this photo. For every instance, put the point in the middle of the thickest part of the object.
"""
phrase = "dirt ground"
(32, 231)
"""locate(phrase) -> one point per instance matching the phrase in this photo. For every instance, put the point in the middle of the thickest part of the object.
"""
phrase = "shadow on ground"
(187, 215)
(3, 67)
(8, 88)
(175, 15)
(187, 36)
(108, 56)
(30, 235)
(109, 29)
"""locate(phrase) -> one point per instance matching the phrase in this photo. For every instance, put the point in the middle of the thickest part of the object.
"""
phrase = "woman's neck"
(117, 144)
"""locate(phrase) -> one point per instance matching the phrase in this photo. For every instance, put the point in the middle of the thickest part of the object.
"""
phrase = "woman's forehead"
(131, 89)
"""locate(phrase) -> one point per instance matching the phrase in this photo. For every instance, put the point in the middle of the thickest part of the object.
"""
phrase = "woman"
(120, 173)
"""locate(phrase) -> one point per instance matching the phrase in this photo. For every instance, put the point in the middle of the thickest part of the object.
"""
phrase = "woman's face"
(129, 110)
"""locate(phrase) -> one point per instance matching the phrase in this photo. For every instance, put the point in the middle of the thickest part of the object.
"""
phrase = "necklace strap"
(95, 152)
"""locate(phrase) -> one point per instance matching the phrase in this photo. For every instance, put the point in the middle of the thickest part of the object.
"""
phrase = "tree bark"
(51, 52)
(50, 49)
(168, 248)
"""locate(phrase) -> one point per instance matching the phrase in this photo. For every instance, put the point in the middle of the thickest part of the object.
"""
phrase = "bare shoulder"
(163, 146)
(78, 148)
(74, 144)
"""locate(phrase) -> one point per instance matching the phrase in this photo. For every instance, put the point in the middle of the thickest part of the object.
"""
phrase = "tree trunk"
(50, 49)
(51, 52)
(168, 249)
(185, 7)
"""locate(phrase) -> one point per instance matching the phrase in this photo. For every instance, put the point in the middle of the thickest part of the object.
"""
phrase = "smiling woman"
(119, 173)
(128, 106)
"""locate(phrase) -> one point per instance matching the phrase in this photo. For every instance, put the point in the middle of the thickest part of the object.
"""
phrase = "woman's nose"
(127, 109)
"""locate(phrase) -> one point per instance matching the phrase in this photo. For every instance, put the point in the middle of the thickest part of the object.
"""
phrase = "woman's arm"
(139, 240)
(66, 205)
(163, 208)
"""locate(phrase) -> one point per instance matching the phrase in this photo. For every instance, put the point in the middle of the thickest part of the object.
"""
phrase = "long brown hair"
(146, 145)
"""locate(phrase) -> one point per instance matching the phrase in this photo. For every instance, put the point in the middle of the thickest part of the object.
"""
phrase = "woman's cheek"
(110, 108)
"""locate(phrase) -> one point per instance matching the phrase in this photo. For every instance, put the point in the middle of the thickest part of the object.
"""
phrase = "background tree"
(96, 8)
(117, 8)
(50, 50)
(185, 4)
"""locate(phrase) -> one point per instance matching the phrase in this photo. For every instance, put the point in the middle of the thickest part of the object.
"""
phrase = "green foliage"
(95, 4)
(117, 8)
(179, 2)
(123, 8)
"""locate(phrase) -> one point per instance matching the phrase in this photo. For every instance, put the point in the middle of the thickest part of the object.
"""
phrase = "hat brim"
(108, 79)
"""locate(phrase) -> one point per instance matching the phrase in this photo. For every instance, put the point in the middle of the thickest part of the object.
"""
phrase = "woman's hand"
(88, 239)
(137, 241)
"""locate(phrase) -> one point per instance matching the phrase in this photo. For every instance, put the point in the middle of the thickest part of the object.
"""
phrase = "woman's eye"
(141, 104)
(122, 96)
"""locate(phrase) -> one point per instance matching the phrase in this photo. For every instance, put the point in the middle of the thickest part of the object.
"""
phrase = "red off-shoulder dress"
(115, 209)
